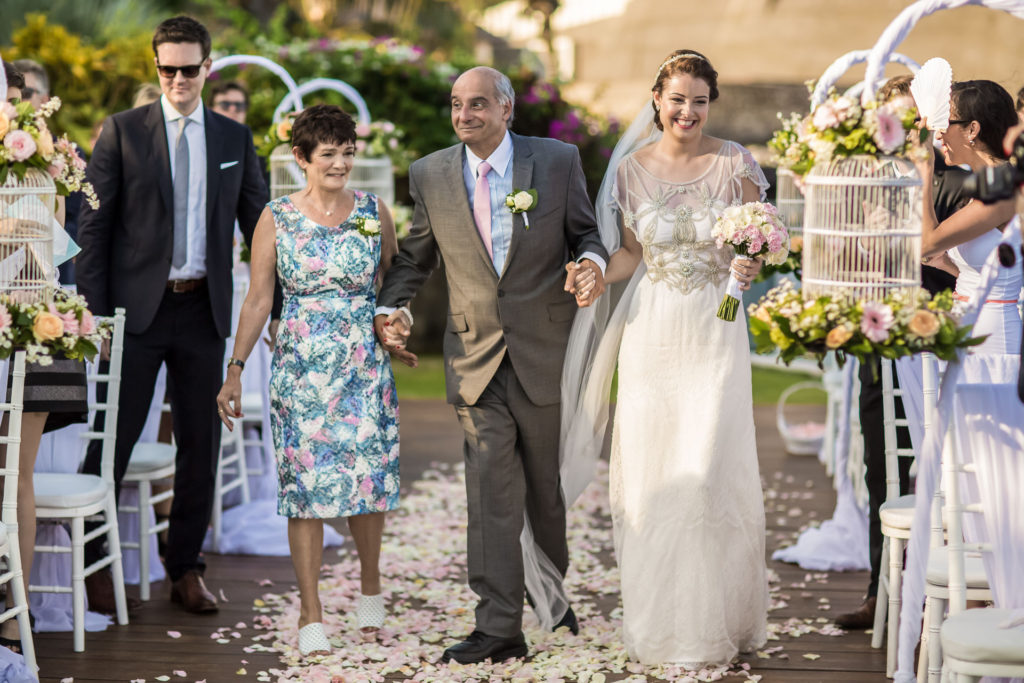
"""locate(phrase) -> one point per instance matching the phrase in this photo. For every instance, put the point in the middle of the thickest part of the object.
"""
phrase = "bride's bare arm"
(623, 262)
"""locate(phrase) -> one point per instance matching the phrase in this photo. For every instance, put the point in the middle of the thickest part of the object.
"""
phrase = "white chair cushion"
(68, 490)
(938, 569)
(898, 513)
(974, 636)
(147, 457)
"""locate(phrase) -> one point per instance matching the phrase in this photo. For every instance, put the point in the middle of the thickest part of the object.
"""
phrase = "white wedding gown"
(685, 488)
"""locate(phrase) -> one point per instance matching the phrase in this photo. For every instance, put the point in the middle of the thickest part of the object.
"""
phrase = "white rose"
(523, 201)
(371, 226)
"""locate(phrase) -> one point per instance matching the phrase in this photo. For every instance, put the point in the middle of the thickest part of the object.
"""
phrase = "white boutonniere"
(368, 226)
(521, 201)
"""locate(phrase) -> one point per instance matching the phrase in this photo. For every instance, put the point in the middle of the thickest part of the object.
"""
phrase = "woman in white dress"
(981, 112)
(685, 489)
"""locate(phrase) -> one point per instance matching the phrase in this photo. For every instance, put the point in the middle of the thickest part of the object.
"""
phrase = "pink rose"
(5, 319)
(88, 324)
(825, 116)
(362, 130)
(20, 144)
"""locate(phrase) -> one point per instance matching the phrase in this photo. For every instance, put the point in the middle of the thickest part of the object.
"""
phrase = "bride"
(686, 495)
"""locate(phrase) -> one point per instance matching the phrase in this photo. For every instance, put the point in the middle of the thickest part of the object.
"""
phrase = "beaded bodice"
(673, 221)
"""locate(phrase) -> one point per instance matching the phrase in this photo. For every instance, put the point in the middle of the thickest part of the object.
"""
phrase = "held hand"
(587, 282)
(229, 399)
(745, 271)
(922, 150)
(393, 332)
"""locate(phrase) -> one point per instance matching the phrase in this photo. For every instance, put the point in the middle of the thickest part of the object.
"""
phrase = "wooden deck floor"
(143, 649)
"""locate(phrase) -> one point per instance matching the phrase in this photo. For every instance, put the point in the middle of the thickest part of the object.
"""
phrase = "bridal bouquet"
(64, 328)
(753, 230)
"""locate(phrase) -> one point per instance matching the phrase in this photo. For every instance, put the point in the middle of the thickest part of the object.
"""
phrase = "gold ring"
(220, 411)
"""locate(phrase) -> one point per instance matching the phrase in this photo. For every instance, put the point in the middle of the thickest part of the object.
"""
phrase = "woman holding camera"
(981, 113)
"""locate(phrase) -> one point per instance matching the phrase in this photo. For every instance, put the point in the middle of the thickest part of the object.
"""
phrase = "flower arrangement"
(900, 325)
(753, 230)
(26, 142)
(840, 127)
(279, 133)
(792, 264)
(63, 328)
(382, 139)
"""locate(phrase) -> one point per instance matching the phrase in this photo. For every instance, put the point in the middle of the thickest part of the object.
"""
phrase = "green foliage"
(97, 20)
(93, 81)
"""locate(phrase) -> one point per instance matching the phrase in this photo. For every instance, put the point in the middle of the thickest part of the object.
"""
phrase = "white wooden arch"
(338, 86)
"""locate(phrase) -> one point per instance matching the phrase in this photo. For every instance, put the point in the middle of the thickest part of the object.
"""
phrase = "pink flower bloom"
(71, 325)
(387, 127)
(890, 134)
(20, 144)
(88, 324)
(825, 116)
(876, 321)
(78, 162)
(360, 146)
(362, 130)
(774, 241)
(56, 167)
(5, 319)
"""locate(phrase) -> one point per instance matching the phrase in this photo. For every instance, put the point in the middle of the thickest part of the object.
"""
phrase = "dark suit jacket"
(127, 242)
(522, 312)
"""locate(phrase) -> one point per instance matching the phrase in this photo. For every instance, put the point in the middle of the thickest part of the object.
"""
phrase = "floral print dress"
(333, 408)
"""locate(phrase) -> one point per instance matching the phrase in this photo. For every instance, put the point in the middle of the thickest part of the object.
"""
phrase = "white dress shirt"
(195, 132)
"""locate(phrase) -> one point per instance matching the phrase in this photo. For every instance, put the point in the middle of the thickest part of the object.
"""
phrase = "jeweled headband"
(676, 58)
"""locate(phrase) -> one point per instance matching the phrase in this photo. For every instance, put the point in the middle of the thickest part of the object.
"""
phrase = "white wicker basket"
(805, 438)
(376, 176)
(26, 236)
(862, 228)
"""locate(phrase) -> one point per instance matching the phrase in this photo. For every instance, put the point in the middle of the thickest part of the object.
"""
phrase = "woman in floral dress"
(334, 413)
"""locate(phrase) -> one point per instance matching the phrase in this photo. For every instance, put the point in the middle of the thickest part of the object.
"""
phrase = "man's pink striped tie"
(482, 206)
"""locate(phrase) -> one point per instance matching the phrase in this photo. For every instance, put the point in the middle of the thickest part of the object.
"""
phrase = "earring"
(972, 142)
(657, 107)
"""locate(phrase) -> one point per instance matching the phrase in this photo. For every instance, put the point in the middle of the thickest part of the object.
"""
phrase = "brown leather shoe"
(99, 589)
(861, 618)
(191, 592)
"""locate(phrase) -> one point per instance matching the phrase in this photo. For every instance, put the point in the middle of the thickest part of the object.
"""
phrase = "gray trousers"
(511, 453)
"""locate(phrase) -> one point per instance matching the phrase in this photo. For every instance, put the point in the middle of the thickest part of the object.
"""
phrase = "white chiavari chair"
(149, 463)
(9, 549)
(76, 497)
(989, 465)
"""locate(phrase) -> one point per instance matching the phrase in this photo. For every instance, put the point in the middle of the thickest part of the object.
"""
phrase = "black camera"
(997, 183)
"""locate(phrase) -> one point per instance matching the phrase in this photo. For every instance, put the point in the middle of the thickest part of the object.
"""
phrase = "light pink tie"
(482, 206)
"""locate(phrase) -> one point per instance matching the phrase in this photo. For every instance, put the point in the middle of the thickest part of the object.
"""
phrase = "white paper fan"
(930, 89)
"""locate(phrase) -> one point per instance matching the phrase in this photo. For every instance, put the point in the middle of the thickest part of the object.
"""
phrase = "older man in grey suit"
(510, 311)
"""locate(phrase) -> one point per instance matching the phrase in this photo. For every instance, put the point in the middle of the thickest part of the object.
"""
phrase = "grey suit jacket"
(522, 311)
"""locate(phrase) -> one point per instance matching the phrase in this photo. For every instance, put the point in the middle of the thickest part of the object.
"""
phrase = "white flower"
(522, 201)
(370, 226)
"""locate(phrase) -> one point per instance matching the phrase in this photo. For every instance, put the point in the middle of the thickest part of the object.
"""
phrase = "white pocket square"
(228, 164)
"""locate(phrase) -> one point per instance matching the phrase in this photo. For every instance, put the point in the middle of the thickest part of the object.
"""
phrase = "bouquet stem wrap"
(731, 301)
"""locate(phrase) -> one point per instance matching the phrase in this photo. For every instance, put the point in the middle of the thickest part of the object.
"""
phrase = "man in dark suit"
(171, 177)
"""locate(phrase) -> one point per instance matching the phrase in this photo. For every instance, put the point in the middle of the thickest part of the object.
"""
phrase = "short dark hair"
(326, 124)
(1020, 100)
(31, 66)
(897, 86)
(685, 62)
(223, 87)
(990, 105)
(14, 78)
(182, 29)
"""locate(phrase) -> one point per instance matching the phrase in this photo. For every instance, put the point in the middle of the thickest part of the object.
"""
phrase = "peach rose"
(796, 244)
(284, 130)
(5, 125)
(838, 336)
(924, 324)
(47, 327)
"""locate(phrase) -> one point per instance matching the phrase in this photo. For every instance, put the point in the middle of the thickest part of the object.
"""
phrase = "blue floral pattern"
(334, 411)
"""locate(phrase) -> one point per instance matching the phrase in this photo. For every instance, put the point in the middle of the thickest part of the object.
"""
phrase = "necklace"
(326, 212)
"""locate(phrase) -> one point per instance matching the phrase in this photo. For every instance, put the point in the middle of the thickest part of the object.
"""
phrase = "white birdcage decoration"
(862, 228)
(26, 236)
(376, 176)
(789, 200)
(285, 175)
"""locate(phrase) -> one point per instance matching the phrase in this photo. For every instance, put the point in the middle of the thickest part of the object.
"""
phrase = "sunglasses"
(958, 122)
(227, 105)
(190, 71)
(28, 93)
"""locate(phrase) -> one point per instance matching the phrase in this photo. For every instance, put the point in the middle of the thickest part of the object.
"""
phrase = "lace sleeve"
(620, 198)
(749, 169)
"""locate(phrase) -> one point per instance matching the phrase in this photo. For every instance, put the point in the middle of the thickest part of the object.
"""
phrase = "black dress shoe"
(479, 647)
(569, 621)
